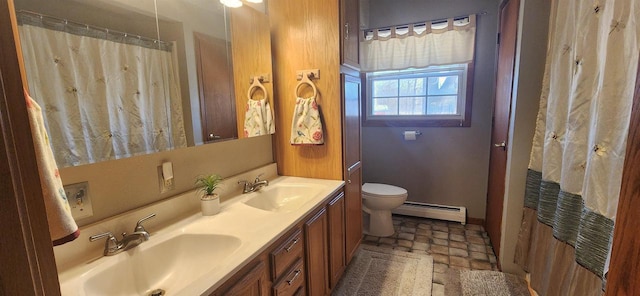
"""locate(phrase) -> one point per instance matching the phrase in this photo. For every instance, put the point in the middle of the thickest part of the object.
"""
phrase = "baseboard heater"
(425, 210)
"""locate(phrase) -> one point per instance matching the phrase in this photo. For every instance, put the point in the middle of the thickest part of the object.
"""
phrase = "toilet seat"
(382, 190)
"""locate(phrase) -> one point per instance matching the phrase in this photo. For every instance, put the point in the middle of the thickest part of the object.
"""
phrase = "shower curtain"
(575, 170)
(104, 96)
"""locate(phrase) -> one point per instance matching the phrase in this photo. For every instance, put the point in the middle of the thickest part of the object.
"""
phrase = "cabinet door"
(335, 211)
(315, 233)
(351, 96)
(353, 211)
(350, 21)
(253, 282)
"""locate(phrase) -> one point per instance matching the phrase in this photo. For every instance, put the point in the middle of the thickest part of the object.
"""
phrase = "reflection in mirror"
(110, 89)
(107, 90)
(252, 71)
(200, 31)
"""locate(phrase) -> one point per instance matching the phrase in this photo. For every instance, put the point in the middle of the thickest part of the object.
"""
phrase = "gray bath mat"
(378, 271)
(484, 283)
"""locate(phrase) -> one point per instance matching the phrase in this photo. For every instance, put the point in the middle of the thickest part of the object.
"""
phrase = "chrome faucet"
(113, 246)
(255, 186)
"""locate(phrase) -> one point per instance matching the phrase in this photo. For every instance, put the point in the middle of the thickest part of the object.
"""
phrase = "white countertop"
(257, 229)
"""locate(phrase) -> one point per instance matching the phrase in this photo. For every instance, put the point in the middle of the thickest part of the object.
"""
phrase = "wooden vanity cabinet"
(292, 282)
(308, 260)
(337, 260)
(325, 246)
(252, 280)
(283, 257)
(287, 265)
(316, 242)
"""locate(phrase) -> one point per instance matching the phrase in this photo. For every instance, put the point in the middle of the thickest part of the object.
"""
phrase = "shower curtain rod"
(106, 30)
(435, 21)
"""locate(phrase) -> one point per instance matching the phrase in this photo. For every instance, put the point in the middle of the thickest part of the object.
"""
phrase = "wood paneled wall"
(251, 48)
(305, 35)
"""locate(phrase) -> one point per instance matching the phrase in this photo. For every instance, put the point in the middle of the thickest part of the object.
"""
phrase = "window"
(433, 96)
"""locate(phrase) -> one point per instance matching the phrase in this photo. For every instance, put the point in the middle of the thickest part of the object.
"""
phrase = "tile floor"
(451, 244)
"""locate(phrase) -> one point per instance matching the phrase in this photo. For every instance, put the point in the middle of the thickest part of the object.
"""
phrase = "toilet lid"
(376, 189)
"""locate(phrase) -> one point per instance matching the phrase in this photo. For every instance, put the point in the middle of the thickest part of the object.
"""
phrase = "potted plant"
(209, 200)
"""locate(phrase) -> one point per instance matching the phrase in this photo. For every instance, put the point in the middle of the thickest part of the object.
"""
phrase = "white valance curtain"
(420, 45)
(579, 146)
(102, 97)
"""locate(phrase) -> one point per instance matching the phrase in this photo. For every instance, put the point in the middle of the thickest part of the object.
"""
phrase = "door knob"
(503, 145)
(213, 137)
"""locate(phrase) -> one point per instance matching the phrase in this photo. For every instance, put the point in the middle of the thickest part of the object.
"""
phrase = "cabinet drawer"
(286, 254)
(292, 282)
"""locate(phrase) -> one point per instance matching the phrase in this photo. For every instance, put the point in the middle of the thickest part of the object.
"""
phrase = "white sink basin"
(284, 197)
(194, 255)
(170, 265)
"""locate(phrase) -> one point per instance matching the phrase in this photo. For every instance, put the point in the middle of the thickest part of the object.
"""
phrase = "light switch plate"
(165, 186)
(79, 201)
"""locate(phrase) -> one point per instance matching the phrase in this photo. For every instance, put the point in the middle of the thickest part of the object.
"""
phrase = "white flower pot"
(210, 204)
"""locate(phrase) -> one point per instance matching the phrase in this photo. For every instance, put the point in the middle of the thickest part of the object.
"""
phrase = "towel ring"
(256, 84)
(305, 80)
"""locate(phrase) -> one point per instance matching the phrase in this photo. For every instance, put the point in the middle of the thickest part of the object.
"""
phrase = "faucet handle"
(96, 237)
(111, 243)
(139, 226)
(258, 178)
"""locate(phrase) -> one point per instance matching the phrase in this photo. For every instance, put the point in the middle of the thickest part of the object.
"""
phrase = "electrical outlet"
(79, 201)
(165, 185)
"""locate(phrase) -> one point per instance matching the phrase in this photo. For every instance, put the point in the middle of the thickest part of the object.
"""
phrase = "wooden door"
(625, 259)
(315, 233)
(350, 22)
(335, 211)
(502, 108)
(217, 102)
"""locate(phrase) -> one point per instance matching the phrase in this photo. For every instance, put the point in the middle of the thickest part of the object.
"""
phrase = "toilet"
(377, 202)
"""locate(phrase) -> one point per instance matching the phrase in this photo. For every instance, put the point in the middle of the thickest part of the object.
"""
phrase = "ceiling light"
(254, 1)
(231, 3)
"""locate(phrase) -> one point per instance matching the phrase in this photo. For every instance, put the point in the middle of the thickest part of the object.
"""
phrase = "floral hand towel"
(62, 227)
(306, 128)
(258, 119)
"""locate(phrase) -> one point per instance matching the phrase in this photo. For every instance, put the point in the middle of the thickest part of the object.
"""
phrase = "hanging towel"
(62, 227)
(306, 128)
(258, 119)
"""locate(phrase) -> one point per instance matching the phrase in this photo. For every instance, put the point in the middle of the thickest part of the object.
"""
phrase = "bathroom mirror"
(156, 74)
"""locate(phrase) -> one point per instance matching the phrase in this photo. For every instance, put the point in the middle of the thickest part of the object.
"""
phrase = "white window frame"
(461, 118)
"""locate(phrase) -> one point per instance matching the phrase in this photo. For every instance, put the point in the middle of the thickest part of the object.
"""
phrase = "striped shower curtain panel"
(575, 170)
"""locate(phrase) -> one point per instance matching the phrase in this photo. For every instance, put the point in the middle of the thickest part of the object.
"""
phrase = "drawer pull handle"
(295, 276)
(288, 249)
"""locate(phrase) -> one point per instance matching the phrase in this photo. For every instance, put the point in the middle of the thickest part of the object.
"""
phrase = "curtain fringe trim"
(588, 232)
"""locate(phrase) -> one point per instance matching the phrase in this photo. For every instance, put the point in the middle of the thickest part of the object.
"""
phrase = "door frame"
(625, 258)
(28, 264)
(493, 219)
